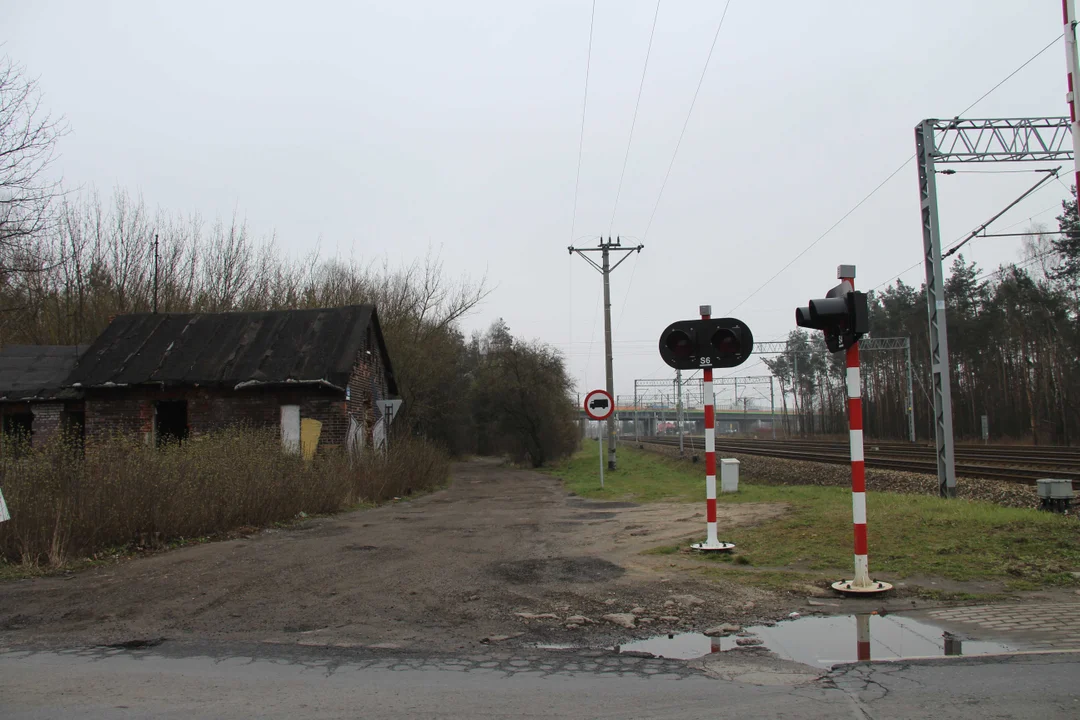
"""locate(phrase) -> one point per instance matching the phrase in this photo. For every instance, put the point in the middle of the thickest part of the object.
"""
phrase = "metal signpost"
(599, 406)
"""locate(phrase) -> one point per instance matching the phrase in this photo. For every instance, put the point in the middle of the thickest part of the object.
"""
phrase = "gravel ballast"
(782, 471)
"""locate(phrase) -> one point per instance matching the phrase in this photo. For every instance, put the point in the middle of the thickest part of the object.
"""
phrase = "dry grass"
(120, 492)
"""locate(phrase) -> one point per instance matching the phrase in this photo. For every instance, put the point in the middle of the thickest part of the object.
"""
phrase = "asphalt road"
(266, 681)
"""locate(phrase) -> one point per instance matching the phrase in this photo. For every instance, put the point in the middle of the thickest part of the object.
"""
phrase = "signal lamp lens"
(678, 342)
(725, 342)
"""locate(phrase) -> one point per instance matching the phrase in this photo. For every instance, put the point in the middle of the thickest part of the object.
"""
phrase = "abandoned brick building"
(34, 404)
(323, 374)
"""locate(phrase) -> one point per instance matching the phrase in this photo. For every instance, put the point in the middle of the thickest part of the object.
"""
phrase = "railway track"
(1009, 463)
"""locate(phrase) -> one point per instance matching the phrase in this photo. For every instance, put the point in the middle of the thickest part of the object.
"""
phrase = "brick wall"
(361, 402)
(131, 410)
(119, 411)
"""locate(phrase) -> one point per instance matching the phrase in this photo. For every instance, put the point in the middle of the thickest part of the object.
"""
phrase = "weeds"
(120, 492)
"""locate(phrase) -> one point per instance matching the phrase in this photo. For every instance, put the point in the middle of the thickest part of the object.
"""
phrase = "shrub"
(119, 491)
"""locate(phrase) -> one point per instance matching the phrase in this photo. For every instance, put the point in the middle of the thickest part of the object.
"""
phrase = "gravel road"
(468, 566)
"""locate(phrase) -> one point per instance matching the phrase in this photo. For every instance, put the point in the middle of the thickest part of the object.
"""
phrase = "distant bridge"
(728, 420)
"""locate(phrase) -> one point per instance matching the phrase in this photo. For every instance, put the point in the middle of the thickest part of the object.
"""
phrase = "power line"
(577, 174)
(950, 171)
(693, 102)
(581, 137)
(622, 310)
(633, 122)
(1015, 266)
(822, 236)
(1010, 75)
(888, 178)
(1007, 227)
(678, 144)
(982, 228)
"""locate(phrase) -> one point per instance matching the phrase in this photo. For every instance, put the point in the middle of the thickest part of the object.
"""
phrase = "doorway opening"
(171, 421)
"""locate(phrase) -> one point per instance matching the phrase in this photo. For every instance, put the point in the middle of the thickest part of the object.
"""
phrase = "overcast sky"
(382, 129)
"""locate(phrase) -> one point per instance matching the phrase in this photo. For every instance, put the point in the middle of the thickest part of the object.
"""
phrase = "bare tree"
(28, 136)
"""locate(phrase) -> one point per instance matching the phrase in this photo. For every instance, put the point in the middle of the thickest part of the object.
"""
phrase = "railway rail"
(1009, 463)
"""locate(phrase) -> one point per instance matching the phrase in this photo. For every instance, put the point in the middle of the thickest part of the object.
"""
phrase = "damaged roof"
(235, 349)
(37, 372)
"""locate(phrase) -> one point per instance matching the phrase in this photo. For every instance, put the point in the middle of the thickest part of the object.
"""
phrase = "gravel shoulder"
(470, 565)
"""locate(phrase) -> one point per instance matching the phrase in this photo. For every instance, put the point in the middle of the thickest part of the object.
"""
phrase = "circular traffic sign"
(599, 405)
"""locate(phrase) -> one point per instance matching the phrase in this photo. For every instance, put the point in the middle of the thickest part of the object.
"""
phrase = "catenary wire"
(888, 178)
(953, 243)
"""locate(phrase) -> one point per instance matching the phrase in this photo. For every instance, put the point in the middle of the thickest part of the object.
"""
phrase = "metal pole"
(935, 304)
(711, 541)
(635, 413)
(1068, 8)
(861, 582)
(795, 391)
(910, 393)
(858, 466)
(678, 407)
(600, 442)
(862, 637)
(772, 407)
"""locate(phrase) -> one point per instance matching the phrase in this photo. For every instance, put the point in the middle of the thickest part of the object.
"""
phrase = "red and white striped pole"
(862, 637)
(861, 582)
(711, 541)
(1068, 11)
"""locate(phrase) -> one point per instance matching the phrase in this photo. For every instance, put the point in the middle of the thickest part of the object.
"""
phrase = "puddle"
(826, 641)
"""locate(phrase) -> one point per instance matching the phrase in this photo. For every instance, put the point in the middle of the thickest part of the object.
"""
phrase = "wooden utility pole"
(605, 268)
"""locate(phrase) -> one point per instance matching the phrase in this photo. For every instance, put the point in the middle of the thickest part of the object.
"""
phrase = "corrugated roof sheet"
(37, 372)
(230, 349)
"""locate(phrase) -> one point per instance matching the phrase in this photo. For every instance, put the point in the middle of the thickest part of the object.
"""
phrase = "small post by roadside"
(599, 405)
(600, 438)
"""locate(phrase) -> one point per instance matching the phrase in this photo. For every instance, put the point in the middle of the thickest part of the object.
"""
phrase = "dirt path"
(441, 572)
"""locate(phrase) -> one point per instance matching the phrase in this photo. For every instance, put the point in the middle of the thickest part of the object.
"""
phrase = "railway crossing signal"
(843, 315)
(707, 343)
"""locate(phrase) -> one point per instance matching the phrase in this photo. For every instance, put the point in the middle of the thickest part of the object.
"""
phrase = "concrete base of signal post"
(849, 587)
(719, 546)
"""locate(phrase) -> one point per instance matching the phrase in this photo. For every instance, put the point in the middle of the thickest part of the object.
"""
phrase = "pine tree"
(1067, 245)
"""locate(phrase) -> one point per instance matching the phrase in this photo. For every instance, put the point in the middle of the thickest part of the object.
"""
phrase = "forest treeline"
(96, 258)
(1014, 351)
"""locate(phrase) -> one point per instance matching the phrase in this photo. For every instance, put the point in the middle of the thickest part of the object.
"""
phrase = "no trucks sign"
(599, 405)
